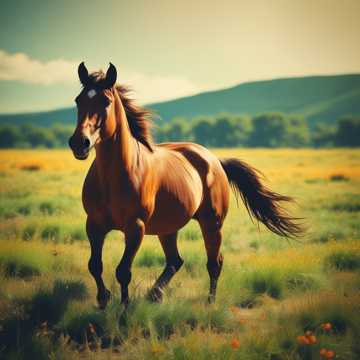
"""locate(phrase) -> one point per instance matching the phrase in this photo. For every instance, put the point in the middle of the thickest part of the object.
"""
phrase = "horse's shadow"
(42, 312)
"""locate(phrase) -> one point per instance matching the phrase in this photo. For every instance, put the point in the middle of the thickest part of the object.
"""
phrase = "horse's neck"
(117, 156)
(125, 144)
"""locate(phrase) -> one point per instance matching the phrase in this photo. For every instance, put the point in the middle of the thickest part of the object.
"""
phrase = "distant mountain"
(46, 118)
(318, 98)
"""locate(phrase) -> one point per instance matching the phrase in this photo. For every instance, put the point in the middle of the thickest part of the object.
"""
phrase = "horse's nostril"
(86, 143)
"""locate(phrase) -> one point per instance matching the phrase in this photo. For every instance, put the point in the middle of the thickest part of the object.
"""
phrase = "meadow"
(277, 298)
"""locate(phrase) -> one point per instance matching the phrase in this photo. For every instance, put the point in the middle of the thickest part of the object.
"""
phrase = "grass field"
(277, 298)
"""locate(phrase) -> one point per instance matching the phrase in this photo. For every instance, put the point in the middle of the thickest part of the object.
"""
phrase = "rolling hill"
(318, 98)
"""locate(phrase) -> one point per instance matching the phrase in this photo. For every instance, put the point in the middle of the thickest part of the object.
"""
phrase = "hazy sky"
(167, 48)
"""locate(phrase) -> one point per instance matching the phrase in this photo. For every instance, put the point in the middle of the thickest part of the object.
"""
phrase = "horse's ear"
(111, 75)
(83, 74)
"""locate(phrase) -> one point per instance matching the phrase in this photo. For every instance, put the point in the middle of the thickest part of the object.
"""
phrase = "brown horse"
(141, 188)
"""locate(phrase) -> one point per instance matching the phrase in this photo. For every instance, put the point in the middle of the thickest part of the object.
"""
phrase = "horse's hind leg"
(211, 231)
(96, 236)
(173, 264)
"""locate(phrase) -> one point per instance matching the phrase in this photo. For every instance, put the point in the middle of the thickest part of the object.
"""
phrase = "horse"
(139, 187)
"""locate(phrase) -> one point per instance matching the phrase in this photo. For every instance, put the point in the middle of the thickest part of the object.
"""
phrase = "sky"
(166, 49)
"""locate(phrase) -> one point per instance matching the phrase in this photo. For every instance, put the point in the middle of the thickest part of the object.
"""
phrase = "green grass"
(78, 233)
(149, 258)
(339, 177)
(42, 348)
(270, 291)
(51, 232)
(302, 281)
(343, 261)
(194, 262)
(39, 314)
(264, 282)
(83, 325)
(29, 232)
(162, 321)
(191, 232)
(348, 203)
(24, 264)
(47, 208)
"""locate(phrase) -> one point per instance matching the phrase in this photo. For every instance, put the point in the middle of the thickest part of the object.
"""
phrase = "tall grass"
(24, 264)
(343, 261)
(271, 291)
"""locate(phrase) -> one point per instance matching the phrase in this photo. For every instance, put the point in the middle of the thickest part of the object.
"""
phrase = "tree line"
(265, 130)
(224, 130)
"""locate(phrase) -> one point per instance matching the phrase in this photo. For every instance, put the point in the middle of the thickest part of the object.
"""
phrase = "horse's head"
(96, 110)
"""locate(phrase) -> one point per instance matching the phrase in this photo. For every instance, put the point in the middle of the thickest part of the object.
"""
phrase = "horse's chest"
(113, 207)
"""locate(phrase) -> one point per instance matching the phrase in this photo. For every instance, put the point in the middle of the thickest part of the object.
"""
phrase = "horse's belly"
(173, 209)
(168, 218)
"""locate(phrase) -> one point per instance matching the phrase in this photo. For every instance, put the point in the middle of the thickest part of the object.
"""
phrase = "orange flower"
(312, 339)
(303, 340)
(326, 326)
(328, 354)
(235, 344)
(323, 352)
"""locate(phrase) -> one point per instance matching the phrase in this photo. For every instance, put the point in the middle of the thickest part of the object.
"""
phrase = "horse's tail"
(261, 203)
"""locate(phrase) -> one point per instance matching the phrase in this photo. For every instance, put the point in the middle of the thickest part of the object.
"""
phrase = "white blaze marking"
(91, 93)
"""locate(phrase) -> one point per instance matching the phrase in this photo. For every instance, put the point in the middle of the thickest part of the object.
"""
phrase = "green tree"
(323, 135)
(279, 130)
(38, 136)
(243, 129)
(203, 131)
(10, 136)
(177, 130)
(348, 132)
(268, 130)
(296, 132)
(61, 134)
(160, 134)
(224, 131)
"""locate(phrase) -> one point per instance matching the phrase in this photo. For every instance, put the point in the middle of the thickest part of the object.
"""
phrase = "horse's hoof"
(155, 295)
(104, 299)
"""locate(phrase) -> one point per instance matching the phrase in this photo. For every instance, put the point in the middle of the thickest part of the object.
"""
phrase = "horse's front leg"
(96, 235)
(134, 234)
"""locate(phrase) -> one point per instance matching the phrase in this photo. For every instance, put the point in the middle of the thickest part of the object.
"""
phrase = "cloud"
(20, 67)
(147, 88)
(153, 88)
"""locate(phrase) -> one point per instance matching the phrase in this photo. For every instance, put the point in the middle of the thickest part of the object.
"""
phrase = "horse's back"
(203, 160)
(200, 157)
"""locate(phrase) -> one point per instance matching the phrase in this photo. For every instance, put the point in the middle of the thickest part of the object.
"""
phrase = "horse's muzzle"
(80, 147)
